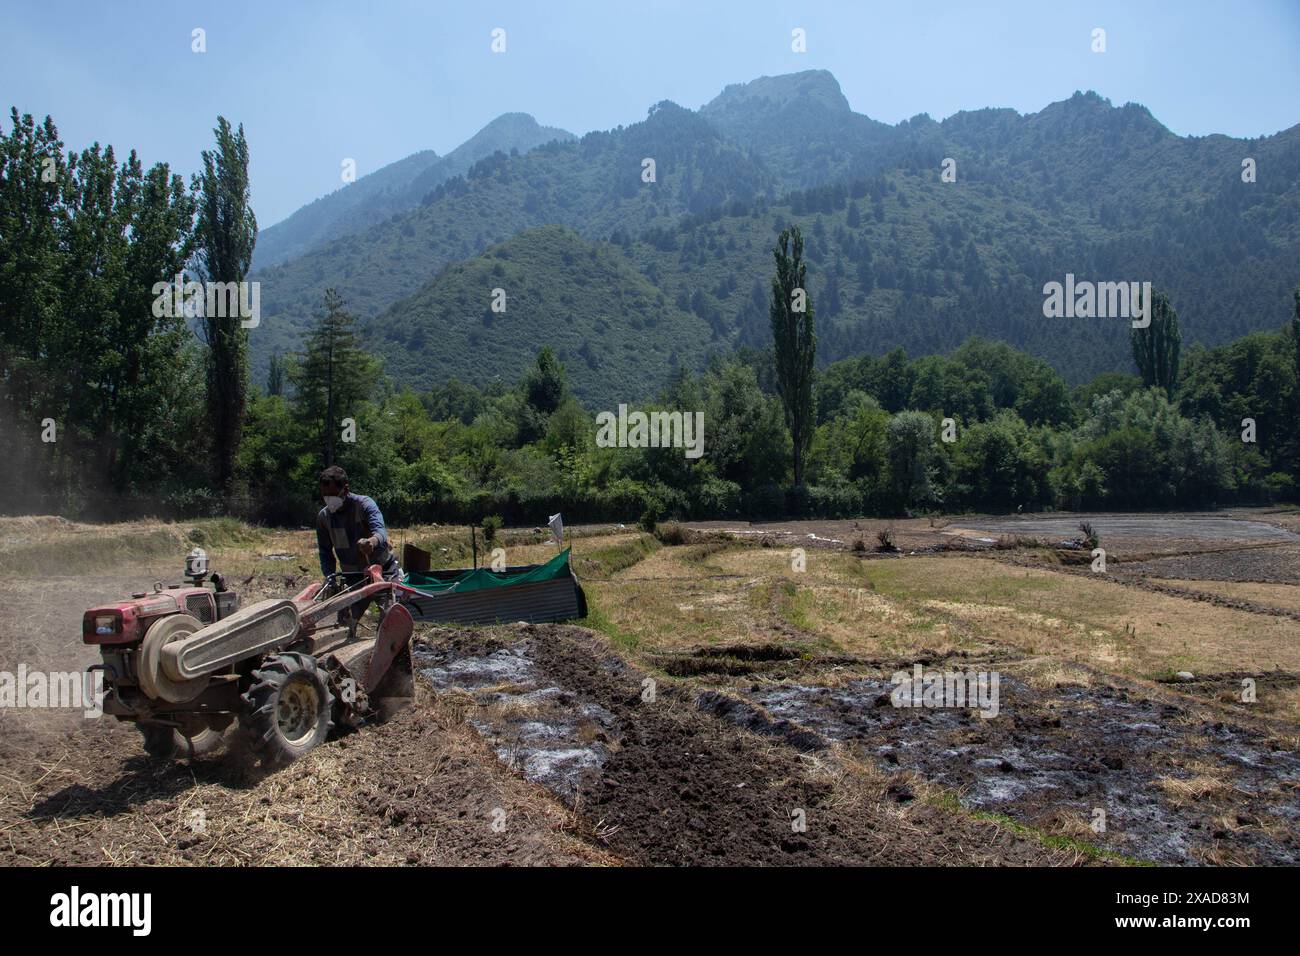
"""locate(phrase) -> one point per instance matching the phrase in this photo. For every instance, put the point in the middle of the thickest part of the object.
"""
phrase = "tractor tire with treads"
(164, 742)
(288, 710)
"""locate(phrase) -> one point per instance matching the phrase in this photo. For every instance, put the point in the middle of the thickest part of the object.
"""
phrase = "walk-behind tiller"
(183, 662)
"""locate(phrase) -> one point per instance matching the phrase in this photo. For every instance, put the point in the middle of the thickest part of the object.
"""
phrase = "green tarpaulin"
(462, 582)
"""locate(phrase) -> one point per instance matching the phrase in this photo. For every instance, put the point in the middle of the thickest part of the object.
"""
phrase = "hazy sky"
(316, 82)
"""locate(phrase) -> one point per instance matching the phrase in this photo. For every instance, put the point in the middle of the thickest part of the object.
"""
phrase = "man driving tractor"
(351, 527)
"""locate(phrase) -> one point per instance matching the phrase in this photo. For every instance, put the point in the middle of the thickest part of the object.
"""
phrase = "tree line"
(155, 415)
(100, 395)
(874, 427)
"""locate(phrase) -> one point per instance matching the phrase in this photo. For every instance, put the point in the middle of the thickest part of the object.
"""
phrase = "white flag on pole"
(557, 528)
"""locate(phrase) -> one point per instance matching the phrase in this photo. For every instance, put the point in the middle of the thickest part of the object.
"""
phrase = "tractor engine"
(120, 628)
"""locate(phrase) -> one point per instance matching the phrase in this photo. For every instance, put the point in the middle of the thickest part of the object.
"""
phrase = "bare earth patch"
(767, 654)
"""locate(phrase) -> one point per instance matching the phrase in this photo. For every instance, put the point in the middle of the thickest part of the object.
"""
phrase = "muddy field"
(531, 745)
(1264, 565)
(1158, 769)
(1123, 533)
(720, 708)
(661, 778)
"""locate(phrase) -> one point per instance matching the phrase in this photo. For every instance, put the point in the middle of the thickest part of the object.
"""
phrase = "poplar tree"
(226, 233)
(1156, 347)
(794, 341)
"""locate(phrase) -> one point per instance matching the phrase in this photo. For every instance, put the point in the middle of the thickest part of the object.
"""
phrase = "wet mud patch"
(1137, 532)
(735, 660)
(1264, 565)
(1175, 785)
(535, 727)
(788, 662)
(669, 781)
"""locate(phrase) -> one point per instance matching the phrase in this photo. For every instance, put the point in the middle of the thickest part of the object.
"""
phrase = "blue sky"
(316, 82)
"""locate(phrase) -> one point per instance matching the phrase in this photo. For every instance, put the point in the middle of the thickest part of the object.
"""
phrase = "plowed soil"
(1176, 784)
(666, 781)
(673, 785)
(559, 745)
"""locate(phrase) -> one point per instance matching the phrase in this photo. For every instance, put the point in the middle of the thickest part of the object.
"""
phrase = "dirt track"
(415, 791)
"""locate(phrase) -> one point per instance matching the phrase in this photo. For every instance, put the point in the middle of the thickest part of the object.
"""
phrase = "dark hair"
(334, 475)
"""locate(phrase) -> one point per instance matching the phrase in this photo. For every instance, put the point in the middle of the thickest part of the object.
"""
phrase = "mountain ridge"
(896, 256)
(392, 189)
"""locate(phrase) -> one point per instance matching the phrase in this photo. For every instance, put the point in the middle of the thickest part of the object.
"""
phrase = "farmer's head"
(333, 487)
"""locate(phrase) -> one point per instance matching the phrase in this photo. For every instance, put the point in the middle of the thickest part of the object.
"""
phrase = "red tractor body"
(124, 622)
(183, 662)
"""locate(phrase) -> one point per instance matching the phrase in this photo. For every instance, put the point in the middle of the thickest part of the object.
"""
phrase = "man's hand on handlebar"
(335, 583)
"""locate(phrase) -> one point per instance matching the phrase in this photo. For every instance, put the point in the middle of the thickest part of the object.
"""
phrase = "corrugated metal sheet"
(535, 603)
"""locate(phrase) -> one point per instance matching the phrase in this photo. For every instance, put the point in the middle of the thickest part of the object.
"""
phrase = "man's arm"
(374, 522)
(326, 548)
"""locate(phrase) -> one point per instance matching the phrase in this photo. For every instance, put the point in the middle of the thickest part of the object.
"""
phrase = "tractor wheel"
(288, 709)
(164, 742)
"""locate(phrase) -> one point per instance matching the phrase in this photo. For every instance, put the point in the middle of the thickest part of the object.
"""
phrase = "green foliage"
(454, 399)
(275, 376)
(1156, 348)
(1082, 396)
(1027, 386)
(971, 384)
(616, 335)
(649, 520)
(902, 259)
(1128, 447)
(84, 245)
(794, 340)
(225, 234)
(849, 452)
(1139, 451)
(655, 295)
(332, 376)
(1252, 379)
(746, 439)
(395, 189)
(592, 185)
(274, 461)
(545, 385)
(911, 462)
(998, 466)
(1295, 334)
